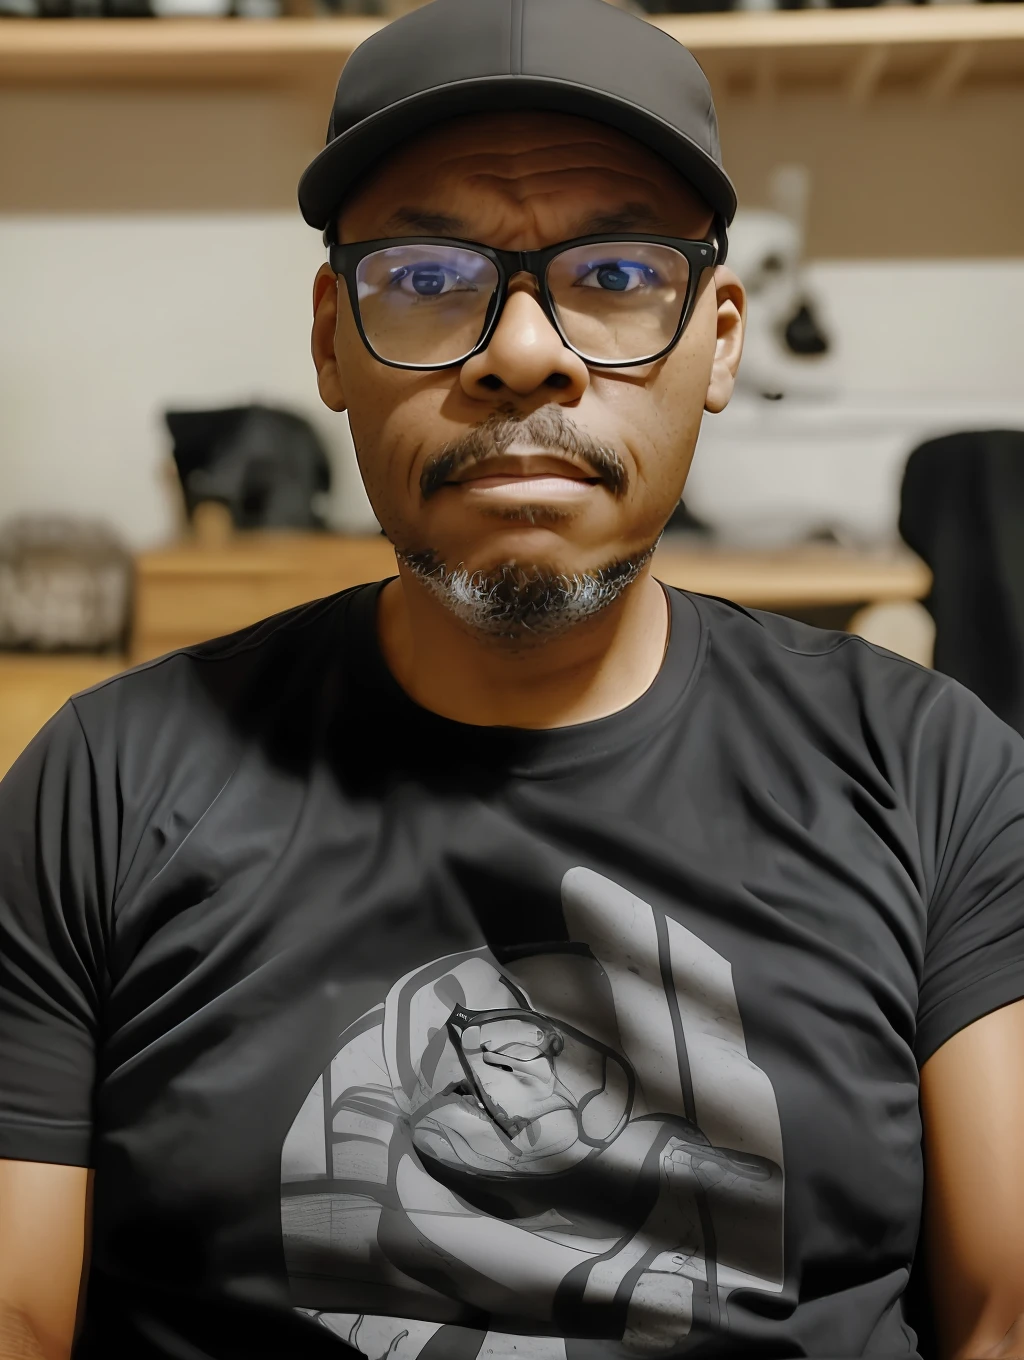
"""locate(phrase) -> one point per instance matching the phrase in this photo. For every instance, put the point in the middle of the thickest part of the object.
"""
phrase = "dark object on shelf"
(268, 467)
(79, 9)
(962, 511)
(803, 334)
(128, 9)
(687, 6)
(65, 585)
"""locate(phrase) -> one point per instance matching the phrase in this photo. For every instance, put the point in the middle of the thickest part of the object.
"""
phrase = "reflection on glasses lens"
(423, 304)
(619, 300)
(429, 305)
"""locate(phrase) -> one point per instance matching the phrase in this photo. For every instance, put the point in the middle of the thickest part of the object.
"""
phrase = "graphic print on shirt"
(566, 1154)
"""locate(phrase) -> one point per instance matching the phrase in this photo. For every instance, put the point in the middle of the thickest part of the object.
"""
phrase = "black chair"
(962, 511)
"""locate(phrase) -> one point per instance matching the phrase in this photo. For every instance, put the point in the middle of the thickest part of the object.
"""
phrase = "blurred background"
(167, 473)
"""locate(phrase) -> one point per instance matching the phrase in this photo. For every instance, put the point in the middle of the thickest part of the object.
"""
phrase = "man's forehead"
(503, 140)
(435, 182)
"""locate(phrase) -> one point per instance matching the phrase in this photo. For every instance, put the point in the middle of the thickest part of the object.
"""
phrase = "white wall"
(953, 328)
(108, 320)
(920, 349)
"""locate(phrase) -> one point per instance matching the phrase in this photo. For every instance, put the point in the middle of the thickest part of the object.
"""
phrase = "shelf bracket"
(764, 77)
(866, 73)
(950, 71)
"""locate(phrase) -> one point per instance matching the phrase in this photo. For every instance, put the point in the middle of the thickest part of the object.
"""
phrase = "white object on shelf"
(191, 9)
(768, 474)
(258, 9)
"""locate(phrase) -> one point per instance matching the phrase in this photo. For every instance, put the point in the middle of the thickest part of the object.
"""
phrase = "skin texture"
(44, 1212)
(523, 181)
(972, 1101)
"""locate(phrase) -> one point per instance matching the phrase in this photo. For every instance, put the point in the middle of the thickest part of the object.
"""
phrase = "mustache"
(549, 429)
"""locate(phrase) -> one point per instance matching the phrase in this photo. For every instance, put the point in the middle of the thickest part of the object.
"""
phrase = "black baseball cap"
(582, 57)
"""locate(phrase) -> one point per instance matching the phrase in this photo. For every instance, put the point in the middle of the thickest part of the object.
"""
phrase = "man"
(515, 957)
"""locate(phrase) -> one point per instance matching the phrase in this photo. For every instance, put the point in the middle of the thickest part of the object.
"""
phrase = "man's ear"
(325, 325)
(732, 314)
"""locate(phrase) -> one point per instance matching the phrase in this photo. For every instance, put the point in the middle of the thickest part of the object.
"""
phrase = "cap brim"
(348, 157)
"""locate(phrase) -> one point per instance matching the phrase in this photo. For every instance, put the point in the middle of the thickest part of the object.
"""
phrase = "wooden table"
(187, 592)
(809, 577)
(191, 591)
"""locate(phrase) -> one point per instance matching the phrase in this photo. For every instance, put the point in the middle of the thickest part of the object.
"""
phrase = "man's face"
(523, 182)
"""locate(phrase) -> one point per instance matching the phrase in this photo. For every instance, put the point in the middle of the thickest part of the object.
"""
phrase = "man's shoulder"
(822, 670)
(210, 686)
(835, 682)
(741, 628)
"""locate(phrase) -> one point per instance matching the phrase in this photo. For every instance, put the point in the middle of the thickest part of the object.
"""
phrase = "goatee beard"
(524, 603)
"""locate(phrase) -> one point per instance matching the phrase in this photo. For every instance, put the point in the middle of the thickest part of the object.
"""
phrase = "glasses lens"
(423, 304)
(619, 300)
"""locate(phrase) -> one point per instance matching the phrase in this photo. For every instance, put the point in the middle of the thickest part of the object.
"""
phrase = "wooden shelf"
(807, 576)
(188, 591)
(925, 49)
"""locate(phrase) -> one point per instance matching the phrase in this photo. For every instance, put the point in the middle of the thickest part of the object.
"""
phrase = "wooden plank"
(795, 578)
(188, 593)
(188, 50)
(175, 51)
(868, 27)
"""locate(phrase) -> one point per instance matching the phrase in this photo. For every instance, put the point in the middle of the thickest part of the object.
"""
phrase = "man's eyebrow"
(423, 220)
(630, 217)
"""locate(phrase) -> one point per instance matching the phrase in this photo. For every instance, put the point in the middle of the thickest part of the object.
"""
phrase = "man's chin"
(520, 600)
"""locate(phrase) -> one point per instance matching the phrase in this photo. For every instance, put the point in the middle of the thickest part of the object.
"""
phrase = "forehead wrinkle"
(591, 187)
(549, 205)
(566, 152)
(529, 169)
(623, 184)
(524, 176)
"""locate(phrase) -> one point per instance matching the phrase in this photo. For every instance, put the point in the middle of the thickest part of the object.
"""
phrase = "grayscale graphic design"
(566, 1154)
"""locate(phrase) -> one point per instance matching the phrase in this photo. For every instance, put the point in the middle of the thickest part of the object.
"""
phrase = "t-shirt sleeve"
(54, 893)
(971, 818)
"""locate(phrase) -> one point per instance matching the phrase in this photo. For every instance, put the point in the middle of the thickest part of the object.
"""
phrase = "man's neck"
(596, 668)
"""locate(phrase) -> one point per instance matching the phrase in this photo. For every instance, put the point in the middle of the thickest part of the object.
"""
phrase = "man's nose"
(525, 355)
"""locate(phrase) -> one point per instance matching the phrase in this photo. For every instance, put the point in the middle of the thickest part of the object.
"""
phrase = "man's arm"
(972, 1098)
(44, 1219)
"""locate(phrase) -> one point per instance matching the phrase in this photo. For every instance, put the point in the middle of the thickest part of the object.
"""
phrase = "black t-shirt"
(391, 1033)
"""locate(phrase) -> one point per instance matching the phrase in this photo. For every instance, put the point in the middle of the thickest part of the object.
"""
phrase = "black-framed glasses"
(430, 302)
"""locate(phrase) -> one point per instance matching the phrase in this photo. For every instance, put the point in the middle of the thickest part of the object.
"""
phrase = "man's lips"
(550, 486)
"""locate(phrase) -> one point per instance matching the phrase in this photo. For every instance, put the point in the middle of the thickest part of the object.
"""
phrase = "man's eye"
(428, 280)
(618, 276)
